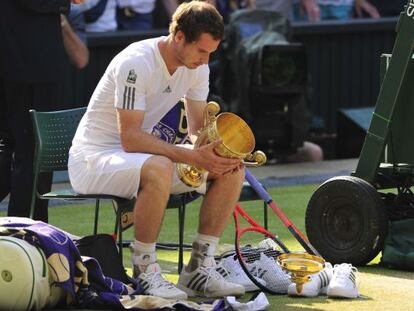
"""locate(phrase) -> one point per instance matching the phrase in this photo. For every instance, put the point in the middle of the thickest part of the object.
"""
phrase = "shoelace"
(211, 274)
(157, 280)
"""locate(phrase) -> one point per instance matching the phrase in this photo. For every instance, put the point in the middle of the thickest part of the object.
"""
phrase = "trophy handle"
(258, 157)
(202, 138)
(210, 112)
(209, 115)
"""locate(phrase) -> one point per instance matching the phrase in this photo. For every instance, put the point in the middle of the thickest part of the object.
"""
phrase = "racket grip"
(257, 186)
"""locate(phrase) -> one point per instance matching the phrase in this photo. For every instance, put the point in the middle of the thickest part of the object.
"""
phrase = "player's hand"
(77, 1)
(208, 159)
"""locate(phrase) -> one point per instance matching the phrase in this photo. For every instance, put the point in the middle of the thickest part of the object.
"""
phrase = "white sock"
(209, 240)
(143, 254)
(203, 251)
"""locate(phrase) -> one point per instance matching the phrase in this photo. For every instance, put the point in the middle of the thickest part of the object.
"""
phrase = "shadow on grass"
(378, 269)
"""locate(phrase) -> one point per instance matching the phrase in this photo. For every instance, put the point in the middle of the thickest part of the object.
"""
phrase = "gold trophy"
(237, 142)
(300, 266)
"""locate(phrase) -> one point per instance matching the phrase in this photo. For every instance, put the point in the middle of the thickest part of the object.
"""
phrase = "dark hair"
(195, 18)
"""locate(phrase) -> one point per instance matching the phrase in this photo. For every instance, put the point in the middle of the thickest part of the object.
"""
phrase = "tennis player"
(113, 151)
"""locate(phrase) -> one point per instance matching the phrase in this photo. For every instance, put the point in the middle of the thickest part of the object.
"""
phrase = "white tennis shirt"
(136, 79)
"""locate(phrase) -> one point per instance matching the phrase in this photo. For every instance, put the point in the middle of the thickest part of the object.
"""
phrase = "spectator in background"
(310, 7)
(73, 33)
(389, 7)
(226, 7)
(31, 59)
(76, 18)
(100, 15)
(316, 10)
(365, 7)
(334, 9)
(138, 14)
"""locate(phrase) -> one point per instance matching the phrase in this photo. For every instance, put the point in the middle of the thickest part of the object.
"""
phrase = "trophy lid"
(300, 266)
(301, 262)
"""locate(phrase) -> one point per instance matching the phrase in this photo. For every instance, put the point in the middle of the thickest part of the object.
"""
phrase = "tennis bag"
(104, 249)
(24, 276)
(399, 245)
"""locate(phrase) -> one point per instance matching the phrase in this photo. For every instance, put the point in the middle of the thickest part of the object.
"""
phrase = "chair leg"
(265, 224)
(181, 217)
(120, 239)
(118, 227)
(95, 225)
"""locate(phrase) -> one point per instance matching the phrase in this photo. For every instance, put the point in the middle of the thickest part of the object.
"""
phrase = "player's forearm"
(139, 141)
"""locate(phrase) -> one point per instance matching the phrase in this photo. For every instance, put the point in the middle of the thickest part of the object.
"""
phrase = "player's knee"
(234, 178)
(239, 176)
(158, 172)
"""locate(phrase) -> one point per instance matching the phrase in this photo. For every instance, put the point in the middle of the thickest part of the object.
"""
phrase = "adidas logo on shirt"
(167, 90)
(128, 98)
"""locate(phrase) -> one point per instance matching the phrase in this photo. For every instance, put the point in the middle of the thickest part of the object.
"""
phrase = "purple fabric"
(52, 240)
(102, 292)
(173, 127)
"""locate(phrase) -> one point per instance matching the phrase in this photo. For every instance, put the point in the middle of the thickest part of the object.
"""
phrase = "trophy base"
(190, 175)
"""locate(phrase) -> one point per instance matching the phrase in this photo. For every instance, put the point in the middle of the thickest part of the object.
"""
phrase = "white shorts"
(114, 172)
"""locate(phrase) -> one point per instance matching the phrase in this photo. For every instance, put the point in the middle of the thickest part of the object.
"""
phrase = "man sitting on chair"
(113, 151)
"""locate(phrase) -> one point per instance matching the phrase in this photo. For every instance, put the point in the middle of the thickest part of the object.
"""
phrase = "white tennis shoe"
(317, 284)
(272, 273)
(205, 281)
(344, 282)
(154, 284)
(230, 268)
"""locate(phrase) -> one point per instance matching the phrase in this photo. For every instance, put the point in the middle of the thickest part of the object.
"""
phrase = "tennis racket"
(299, 236)
(257, 250)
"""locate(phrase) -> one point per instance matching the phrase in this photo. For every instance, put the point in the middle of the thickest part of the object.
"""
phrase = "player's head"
(195, 18)
(196, 29)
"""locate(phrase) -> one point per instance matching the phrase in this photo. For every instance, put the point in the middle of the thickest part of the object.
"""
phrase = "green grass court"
(381, 289)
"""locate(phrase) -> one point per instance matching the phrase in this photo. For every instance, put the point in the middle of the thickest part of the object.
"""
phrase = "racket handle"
(257, 186)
